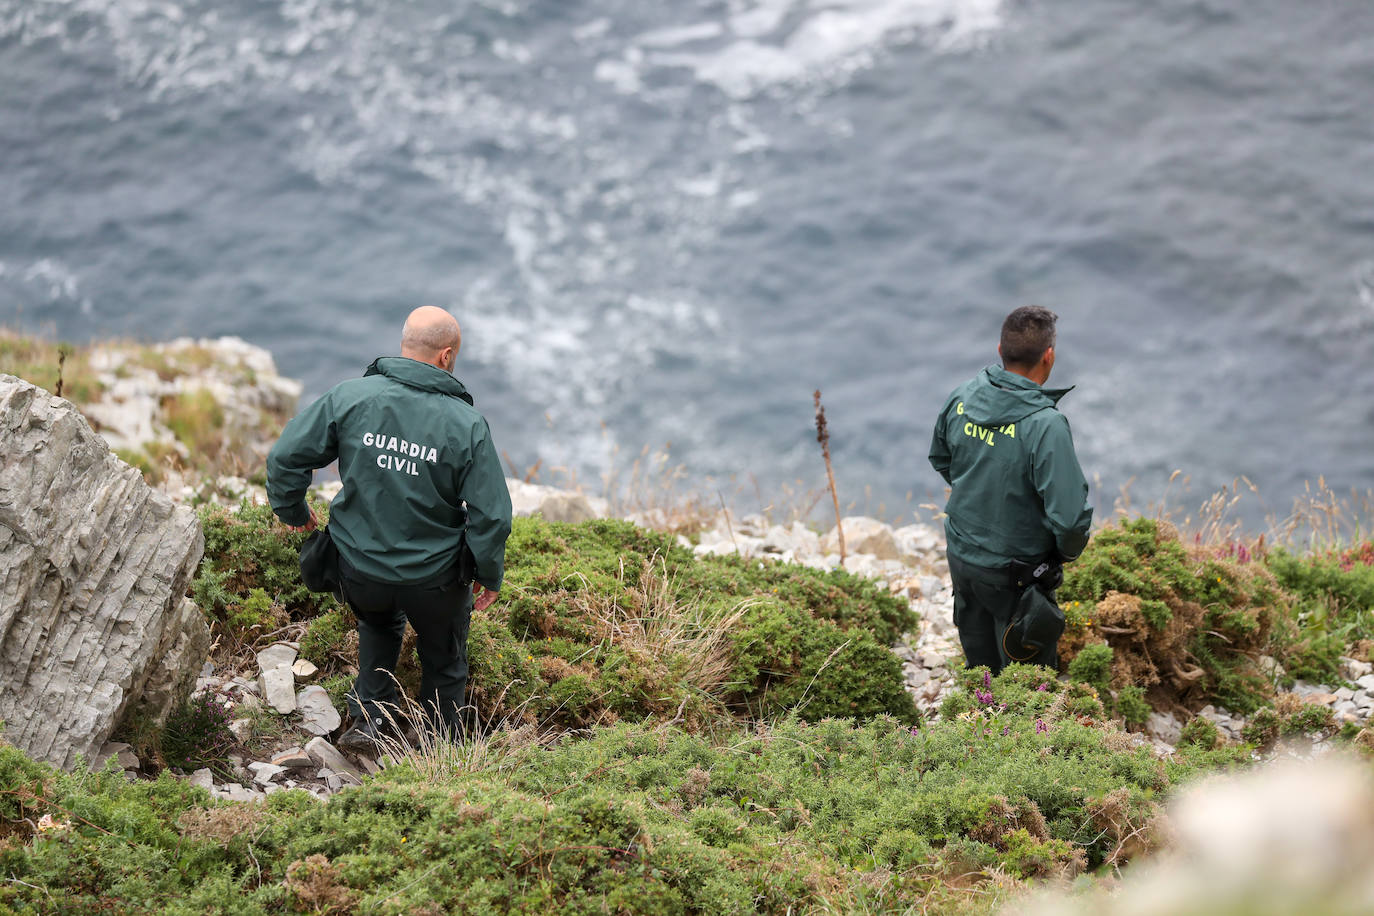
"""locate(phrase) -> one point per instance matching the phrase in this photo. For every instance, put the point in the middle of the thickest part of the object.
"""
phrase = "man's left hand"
(310, 524)
(482, 598)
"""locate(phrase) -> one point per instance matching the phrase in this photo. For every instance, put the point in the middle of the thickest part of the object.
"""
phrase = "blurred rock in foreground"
(1295, 836)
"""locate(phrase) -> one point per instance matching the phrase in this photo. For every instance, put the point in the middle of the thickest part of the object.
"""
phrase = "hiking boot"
(365, 737)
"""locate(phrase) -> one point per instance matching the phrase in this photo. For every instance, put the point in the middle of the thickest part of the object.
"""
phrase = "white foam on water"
(680, 35)
(1364, 284)
(777, 42)
(47, 281)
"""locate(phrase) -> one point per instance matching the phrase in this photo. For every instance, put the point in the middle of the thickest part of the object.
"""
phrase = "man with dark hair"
(423, 515)
(1018, 505)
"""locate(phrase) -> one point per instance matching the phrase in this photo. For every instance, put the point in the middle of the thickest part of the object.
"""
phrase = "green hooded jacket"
(412, 451)
(1017, 491)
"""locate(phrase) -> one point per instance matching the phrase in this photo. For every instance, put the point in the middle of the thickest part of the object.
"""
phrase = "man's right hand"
(482, 598)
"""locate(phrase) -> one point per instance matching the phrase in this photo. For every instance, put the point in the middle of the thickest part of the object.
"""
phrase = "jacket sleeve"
(309, 441)
(483, 489)
(1063, 490)
(939, 447)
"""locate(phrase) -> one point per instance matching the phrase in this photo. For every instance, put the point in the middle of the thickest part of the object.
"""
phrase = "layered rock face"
(94, 567)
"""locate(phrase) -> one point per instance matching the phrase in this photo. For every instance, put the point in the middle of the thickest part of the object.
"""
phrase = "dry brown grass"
(646, 619)
(1319, 519)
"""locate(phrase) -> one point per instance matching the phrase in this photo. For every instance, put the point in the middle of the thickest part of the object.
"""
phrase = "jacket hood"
(998, 397)
(415, 374)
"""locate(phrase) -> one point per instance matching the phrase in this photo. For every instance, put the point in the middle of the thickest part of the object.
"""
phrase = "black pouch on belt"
(320, 562)
(1033, 635)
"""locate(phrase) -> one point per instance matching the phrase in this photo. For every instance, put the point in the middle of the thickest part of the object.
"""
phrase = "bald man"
(420, 524)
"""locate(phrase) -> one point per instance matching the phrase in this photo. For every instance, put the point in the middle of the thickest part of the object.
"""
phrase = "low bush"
(1182, 623)
(603, 622)
(250, 579)
(793, 817)
(1333, 607)
(197, 735)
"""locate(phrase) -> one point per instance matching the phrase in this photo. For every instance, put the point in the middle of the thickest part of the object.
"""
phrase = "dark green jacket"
(1017, 491)
(412, 451)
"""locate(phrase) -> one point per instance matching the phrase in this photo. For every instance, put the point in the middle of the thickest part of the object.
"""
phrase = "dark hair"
(1026, 334)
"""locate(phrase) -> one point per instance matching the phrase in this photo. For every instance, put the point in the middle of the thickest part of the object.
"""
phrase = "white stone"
(304, 668)
(1355, 669)
(862, 535)
(1345, 693)
(918, 541)
(238, 793)
(264, 773)
(277, 655)
(279, 689)
(1366, 682)
(553, 504)
(203, 778)
(318, 715)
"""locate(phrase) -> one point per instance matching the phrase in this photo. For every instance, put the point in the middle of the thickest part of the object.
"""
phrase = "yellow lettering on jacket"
(989, 436)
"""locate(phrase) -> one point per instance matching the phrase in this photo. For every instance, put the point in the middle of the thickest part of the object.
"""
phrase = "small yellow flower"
(403, 839)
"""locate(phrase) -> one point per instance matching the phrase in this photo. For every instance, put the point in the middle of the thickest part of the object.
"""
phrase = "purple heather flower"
(1040, 727)
(1043, 687)
(984, 698)
(987, 680)
(1006, 730)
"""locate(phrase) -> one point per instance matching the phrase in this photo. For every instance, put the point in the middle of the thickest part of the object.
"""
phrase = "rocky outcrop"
(94, 567)
(554, 504)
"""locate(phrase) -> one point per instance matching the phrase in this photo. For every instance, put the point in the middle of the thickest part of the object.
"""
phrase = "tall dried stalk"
(823, 437)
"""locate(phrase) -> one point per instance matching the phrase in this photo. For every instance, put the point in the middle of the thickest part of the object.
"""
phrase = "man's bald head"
(432, 336)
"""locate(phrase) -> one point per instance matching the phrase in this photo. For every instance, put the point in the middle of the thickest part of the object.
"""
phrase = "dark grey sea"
(667, 223)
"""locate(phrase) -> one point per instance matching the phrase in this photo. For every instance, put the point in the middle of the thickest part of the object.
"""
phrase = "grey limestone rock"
(318, 715)
(279, 689)
(94, 566)
(328, 756)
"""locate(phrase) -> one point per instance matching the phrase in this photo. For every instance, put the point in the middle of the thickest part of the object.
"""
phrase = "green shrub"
(607, 621)
(1132, 706)
(603, 622)
(1312, 718)
(1093, 665)
(1177, 618)
(327, 642)
(250, 577)
(1203, 733)
(793, 817)
(1263, 727)
(197, 734)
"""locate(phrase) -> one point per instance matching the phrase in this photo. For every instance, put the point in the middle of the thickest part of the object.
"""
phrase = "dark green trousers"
(984, 602)
(440, 617)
